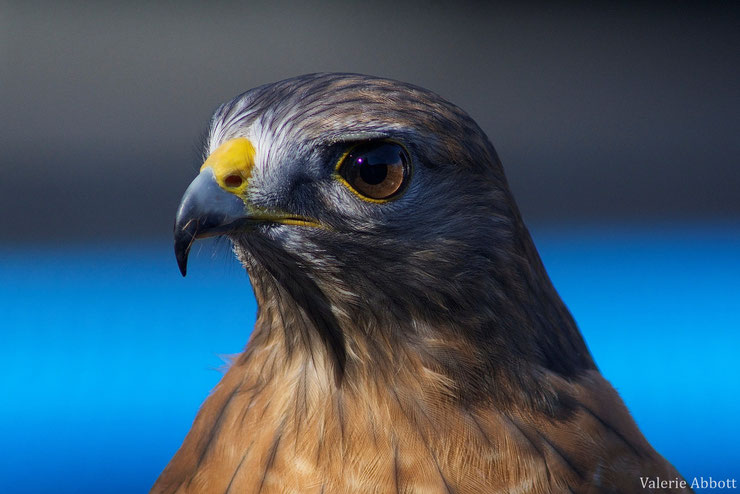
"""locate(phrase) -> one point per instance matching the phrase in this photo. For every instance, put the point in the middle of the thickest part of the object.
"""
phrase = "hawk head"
(375, 215)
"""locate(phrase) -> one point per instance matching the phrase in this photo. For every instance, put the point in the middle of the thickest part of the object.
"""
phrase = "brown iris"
(376, 170)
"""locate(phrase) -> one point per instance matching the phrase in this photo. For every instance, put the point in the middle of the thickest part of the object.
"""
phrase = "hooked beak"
(216, 202)
(206, 210)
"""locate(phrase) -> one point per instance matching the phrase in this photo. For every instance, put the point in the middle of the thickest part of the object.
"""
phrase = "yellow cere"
(232, 165)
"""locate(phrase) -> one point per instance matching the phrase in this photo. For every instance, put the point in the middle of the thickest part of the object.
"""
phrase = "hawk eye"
(377, 171)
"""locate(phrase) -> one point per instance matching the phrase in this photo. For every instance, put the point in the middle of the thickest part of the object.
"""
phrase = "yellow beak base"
(232, 165)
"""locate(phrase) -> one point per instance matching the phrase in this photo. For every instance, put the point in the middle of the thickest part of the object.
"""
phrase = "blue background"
(108, 352)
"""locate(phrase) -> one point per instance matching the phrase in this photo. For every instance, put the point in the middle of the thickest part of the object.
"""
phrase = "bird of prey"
(408, 338)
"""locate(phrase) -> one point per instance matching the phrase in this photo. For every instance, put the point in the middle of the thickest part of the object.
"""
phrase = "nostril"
(233, 180)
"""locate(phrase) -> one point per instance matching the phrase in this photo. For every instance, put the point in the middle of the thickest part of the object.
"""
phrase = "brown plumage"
(409, 344)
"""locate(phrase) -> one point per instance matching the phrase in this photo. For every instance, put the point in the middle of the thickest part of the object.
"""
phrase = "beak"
(206, 210)
(213, 204)
(216, 201)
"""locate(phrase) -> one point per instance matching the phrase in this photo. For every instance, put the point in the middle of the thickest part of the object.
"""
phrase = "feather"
(411, 345)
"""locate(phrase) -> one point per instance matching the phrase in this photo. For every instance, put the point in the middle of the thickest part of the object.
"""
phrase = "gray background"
(600, 113)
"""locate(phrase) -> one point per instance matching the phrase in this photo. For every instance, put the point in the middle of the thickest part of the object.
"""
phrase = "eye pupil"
(376, 170)
(373, 174)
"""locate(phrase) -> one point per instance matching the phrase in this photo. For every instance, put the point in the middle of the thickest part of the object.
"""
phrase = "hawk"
(408, 338)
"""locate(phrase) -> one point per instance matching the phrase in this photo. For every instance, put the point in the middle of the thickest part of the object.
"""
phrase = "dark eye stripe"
(376, 171)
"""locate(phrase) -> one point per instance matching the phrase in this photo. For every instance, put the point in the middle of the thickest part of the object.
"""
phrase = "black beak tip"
(182, 263)
(183, 242)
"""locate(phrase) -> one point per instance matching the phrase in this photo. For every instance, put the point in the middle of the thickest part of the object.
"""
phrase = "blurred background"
(617, 125)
